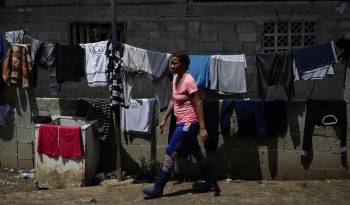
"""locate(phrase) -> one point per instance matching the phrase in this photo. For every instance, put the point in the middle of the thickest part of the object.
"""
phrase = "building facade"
(196, 27)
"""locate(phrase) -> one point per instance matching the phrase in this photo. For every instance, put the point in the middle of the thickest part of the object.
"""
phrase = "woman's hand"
(161, 125)
(203, 134)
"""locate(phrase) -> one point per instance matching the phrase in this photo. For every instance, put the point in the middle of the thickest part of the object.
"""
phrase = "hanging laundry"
(344, 44)
(48, 140)
(163, 90)
(141, 60)
(315, 62)
(211, 120)
(255, 118)
(45, 58)
(275, 114)
(43, 55)
(226, 110)
(99, 113)
(2, 49)
(56, 140)
(319, 73)
(250, 118)
(199, 69)
(324, 113)
(275, 69)
(70, 142)
(227, 73)
(15, 36)
(96, 63)
(35, 46)
(17, 68)
(139, 116)
(70, 63)
(4, 111)
(154, 65)
(115, 77)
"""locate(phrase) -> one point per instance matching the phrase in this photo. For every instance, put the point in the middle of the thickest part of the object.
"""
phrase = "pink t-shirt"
(183, 109)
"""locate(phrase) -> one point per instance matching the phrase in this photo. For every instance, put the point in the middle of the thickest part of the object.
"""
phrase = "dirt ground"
(14, 190)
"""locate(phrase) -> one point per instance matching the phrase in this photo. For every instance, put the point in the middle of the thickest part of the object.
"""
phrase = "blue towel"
(314, 57)
(2, 52)
(199, 69)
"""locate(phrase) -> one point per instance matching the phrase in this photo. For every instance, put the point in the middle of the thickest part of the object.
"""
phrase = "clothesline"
(223, 73)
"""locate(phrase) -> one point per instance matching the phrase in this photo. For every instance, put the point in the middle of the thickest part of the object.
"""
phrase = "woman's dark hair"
(184, 59)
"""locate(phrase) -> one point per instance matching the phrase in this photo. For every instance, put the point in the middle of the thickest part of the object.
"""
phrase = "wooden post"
(116, 113)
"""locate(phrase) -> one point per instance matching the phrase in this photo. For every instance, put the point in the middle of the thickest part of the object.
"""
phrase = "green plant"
(148, 169)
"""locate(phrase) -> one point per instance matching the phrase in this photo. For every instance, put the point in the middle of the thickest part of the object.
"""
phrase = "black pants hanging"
(316, 110)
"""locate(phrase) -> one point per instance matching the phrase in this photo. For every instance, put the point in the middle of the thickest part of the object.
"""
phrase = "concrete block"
(176, 27)
(8, 161)
(232, 47)
(325, 160)
(194, 46)
(249, 47)
(25, 151)
(8, 147)
(176, 45)
(149, 26)
(288, 159)
(246, 27)
(136, 139)
(337, 173)
(39, 26)
(218, 27)
(136, 152)
(173, 35)
(247, 37)
(209, 36)
(323, 143)
(25, 163)
(25, 135)
(227, 36)
(193, 29)
(211, 46)
(154, 34)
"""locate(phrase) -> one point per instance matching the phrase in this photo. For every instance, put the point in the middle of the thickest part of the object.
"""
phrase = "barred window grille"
(282, 36)
(95, 32)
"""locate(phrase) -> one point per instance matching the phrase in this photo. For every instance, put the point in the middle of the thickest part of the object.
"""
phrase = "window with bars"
(95, 32)
(282, 36)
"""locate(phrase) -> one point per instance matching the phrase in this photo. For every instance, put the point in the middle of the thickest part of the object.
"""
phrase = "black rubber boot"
(158, 187)
(208, 183)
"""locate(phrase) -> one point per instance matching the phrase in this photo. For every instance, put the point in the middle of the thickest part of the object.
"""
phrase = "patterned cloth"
(17, 68)
(98, 112)
(114, 76)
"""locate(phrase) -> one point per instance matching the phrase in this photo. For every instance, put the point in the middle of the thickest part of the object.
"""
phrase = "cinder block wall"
(197, 28)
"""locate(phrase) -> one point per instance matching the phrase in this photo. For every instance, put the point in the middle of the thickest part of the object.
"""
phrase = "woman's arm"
(198, 105)
(166, 115)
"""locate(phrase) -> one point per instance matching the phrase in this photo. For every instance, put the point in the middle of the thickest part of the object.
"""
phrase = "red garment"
(48, 140)
(70, 144)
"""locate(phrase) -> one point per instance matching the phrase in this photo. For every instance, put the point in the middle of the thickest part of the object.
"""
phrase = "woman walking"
(188, 110)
